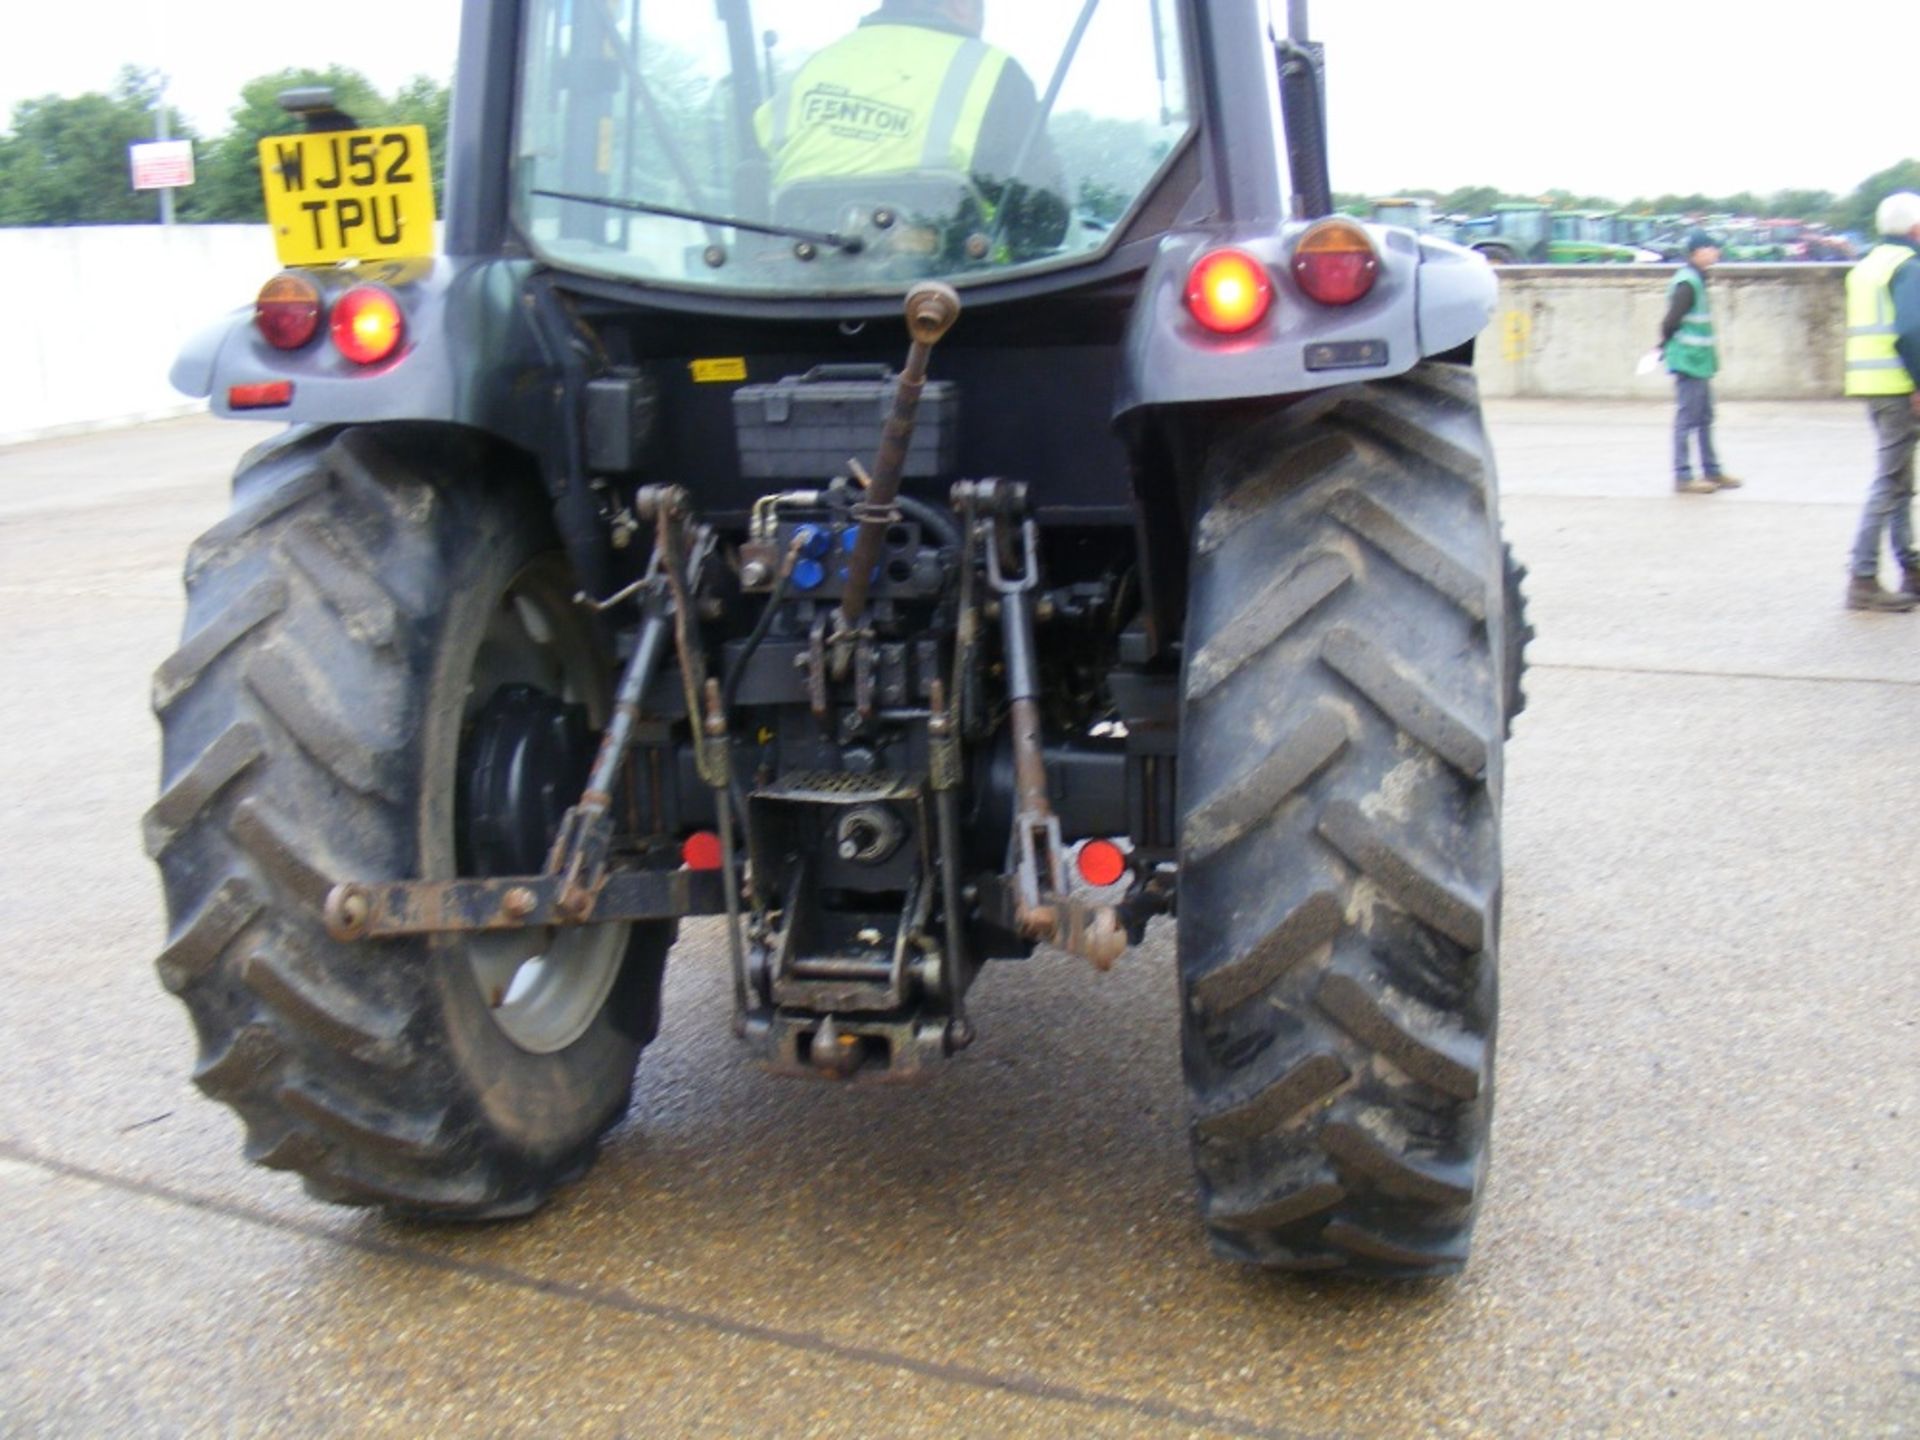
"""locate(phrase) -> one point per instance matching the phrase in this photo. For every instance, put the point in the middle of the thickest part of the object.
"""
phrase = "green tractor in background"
(1751, 242)
(1660, 234)
(1523, 233)
(1415, 213)
(1590, 237)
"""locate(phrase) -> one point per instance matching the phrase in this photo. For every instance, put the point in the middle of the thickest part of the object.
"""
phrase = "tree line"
(63, 160)
(1850, 212)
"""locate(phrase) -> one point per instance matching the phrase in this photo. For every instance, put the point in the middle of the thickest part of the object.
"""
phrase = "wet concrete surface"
(1705, 1201)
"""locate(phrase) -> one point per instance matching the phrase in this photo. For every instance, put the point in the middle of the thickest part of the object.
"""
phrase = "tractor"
(1416, 213)
(1519, 233)
(758, 508)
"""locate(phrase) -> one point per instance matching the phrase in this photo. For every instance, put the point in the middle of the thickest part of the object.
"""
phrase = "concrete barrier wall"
(1570, 332)
(96, 314)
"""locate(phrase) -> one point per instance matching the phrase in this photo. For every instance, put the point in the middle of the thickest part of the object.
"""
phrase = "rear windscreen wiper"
(851, 244)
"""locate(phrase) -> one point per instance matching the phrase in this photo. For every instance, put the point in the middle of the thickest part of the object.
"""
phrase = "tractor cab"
(1515, 233)
(788, 147)
(1415, 214)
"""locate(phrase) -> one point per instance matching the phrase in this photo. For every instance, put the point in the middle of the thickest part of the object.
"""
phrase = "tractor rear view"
(922, 488)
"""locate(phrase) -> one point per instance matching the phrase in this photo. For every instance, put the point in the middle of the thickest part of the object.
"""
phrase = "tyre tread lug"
(232, 753)
(1451, 1065)
(1305, 927)
(198, 945)
(1270, 1101)
(1393, 1168)
(1406, 698)
(1256, 793)
(1449, 908)
(252, 608)
(1421, 556)
(1282, 604)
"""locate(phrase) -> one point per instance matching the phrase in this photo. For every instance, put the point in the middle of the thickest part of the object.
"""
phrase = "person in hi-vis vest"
(1883, 362)
(1692, 354)
(915, 93)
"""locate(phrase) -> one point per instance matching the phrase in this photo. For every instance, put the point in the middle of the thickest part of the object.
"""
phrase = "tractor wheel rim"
(543, 987)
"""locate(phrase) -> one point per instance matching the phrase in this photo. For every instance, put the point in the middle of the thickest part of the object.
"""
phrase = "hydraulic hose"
(931, 518)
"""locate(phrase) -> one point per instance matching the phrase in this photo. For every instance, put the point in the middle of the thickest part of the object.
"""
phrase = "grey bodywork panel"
(471, 356)
(1430, 297)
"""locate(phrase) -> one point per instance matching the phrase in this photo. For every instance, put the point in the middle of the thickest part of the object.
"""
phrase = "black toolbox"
(806, 427)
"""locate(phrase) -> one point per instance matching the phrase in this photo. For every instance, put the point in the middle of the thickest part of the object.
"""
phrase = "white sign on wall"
(162, 164)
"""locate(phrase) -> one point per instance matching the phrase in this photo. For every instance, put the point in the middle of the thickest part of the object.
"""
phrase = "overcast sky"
(1626, 99)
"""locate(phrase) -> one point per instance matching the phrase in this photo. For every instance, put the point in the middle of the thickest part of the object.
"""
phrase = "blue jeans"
(1694, 417)
(1890, 502)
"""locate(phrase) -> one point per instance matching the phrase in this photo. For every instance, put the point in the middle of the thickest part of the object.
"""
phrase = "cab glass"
(799, 146)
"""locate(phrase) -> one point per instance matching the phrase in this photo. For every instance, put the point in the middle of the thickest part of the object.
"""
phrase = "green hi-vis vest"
(1692, 351)
(1874, 366)
(884, 100)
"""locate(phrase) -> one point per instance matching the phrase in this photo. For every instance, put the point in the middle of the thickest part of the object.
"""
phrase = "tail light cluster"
(1230, 291)
(365, 323)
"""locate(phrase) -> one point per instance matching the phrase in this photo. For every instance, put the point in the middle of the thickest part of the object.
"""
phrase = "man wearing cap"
(1883, 363)
(914, 90)
(1687, 341)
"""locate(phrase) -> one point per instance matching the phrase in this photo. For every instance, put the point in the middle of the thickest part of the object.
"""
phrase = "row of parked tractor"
(1521, 233)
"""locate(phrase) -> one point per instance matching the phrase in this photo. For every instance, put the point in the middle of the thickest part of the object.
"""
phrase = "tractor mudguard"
(468, 343)
(1430, 297)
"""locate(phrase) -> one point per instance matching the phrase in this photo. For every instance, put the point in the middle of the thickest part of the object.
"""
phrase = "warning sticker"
(714, 372)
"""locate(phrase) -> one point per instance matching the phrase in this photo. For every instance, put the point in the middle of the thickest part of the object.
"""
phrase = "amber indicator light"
(287, 311)
(1335, 263)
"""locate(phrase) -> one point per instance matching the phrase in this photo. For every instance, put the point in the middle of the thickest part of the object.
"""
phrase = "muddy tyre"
(1340, 773)
(347, 627)
(1517, 632)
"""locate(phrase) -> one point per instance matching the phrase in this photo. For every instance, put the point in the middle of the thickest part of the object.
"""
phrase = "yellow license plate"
(349, 194)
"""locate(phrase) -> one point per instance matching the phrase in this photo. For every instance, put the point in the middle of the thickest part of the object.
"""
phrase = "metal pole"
(160, 132)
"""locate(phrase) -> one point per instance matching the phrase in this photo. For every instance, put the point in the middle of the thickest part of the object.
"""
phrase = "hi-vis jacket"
(884, 100)
(1874, 366)
(1693, 350)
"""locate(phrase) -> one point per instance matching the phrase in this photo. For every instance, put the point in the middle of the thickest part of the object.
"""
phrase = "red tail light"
(367, 324)
(287, 311)
(701, 851)
(1229, 291)
(1335, 262)
(1101, 862)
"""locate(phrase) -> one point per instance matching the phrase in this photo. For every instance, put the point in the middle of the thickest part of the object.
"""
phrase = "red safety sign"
(162, 164)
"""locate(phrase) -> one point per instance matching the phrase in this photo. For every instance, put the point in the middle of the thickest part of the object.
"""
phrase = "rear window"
(798, 146)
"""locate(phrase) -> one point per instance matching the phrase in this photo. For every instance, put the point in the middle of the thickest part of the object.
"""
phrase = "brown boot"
(1864, 593)
(1691, 486)
(1725, 482)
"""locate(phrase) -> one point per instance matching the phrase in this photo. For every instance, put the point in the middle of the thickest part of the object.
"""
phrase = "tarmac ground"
(1704, 1208)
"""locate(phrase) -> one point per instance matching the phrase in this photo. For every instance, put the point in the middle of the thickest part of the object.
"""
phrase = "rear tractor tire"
(376, 623)
(1351, 667)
